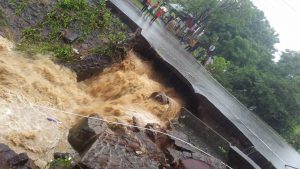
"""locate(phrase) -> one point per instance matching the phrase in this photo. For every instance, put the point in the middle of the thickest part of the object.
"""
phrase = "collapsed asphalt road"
(264, 139)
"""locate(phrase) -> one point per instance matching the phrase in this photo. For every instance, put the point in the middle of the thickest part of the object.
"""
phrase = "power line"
(34, 107)
(129, 125)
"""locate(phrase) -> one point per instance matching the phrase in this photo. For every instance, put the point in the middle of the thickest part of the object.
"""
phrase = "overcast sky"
(284, 17)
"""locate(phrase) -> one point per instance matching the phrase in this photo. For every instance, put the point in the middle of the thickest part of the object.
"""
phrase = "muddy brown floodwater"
(35, 93)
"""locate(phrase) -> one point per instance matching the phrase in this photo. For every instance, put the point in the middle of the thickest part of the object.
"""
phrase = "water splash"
(127, 86)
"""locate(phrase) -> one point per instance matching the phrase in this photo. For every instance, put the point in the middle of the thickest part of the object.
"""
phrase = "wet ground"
(263, 137)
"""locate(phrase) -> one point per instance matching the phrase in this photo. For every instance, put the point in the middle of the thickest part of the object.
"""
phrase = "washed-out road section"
(265, 140)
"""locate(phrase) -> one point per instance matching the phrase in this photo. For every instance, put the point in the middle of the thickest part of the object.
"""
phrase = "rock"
(135, 122)
(5, 155)
(90, 65)
(84, 46)
(58, 155)
(40, 162)
(20, 159)
(104, 146)
(112, 150)
(180, 145)
(75, 51)
(69, 36)
(172, 156)
(160, 97)
(150, 148)
(150, 133)
(11, 160)
(176, 150)
(162, 141)
(122, 151)
(85, 133)
(193, 164)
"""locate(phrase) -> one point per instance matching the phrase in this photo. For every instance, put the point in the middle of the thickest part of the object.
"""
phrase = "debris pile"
(104, 145)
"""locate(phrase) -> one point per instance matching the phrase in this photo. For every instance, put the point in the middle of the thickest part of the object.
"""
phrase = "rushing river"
(36, 93)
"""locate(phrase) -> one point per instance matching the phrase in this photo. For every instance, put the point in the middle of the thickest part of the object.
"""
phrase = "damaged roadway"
(264, 139)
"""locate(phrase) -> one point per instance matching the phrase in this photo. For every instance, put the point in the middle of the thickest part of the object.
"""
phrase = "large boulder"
(90, 66)
(85, 133)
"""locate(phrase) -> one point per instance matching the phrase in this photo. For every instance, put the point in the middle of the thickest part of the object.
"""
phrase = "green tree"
(246, 43)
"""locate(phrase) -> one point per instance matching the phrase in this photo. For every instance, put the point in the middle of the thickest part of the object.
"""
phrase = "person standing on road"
(146, 4)
(210, 56)
(192, 44)
(170, 18)
(178, 24)
(160, 12)
(209, 61)
(194, 47)
(150, 9)
(171, 26)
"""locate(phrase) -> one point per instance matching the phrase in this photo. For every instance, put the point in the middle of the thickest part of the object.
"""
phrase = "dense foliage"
(244, 65)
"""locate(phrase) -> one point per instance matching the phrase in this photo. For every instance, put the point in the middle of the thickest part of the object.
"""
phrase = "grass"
(78, 16)
(2, 18)
(297, 129)
(19, 5)
(60, 163)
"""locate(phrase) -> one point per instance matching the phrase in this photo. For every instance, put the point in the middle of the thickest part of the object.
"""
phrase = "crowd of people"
(156, 10)
(188, 35)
